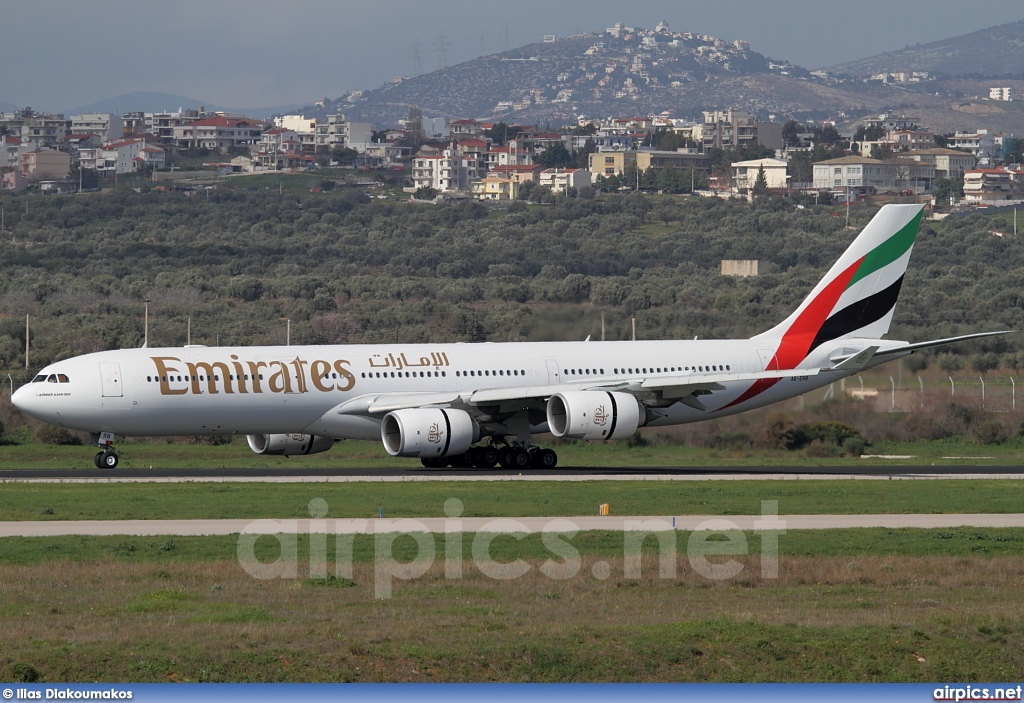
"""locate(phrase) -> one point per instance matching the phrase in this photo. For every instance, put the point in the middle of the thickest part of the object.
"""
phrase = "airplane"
(479, 404)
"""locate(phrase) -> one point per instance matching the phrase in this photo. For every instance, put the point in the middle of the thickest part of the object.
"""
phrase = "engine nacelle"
(428, 432)
(593, 415)
(289, 444)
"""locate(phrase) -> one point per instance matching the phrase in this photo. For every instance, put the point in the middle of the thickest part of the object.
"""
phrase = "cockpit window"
(52, 378)
(63, 378)
(40, 378)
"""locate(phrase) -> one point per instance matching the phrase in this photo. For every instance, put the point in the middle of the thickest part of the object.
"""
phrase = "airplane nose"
(25, 400)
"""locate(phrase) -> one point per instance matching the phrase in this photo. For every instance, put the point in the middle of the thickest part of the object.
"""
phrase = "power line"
(417, 60)
(442, 52)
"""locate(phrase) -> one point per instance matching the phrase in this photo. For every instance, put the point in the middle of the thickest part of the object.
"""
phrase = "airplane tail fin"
(856, 298)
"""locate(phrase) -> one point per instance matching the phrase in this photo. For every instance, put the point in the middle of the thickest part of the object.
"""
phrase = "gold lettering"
(350, 378)
(300, 374)
(239, 374)
(254, 371)
(318, 371)
(162, 370)
(280, 381)
(211, 380)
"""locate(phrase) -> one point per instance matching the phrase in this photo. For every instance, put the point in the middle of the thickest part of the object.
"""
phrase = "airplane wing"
(675, 387)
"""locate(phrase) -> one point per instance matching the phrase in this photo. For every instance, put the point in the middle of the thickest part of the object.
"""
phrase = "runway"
(563, 525)
(321, 475)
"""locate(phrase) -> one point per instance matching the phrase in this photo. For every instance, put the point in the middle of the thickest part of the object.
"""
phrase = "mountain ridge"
(993, 52)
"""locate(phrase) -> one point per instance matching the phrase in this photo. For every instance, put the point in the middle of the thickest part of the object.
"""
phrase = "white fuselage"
(293, 389)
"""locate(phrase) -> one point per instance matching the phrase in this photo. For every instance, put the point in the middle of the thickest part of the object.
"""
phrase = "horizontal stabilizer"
(940, 342)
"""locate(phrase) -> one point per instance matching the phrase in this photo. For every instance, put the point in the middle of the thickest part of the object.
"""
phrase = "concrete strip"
(52, 528)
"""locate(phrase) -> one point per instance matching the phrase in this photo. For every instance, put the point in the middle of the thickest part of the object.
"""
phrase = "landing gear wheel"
(518, 458)
(504, 457)
(487, 457)
(543, 459)
(434, 462)
(107, 460)
(98, 460)
(473, 457)
(458, 462)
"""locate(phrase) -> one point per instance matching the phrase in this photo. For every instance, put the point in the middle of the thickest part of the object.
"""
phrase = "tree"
(791, 133)
(501, 132)
(557, 156)
(882, 152)
(344, 155)
(761, 182)
(425, 193)
(867, 133)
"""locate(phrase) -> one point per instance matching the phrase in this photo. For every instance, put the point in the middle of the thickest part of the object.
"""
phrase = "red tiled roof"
(473, 142)
(515, 167)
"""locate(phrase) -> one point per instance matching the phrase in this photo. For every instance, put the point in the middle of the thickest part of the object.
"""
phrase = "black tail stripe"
(615, 416)
(859, 314)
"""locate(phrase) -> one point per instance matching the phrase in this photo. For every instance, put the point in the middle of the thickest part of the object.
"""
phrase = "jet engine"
(288, 444)
(428, 432)
(593, 415)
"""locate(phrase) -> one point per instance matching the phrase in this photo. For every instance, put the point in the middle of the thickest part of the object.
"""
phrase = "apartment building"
(732, 129)
(220, 133)
(562, 180)
(46, 164)
(495, 188)
(1001, 94)
(614, 163)
(104, 125)
(948, 163)
(744, 173)
(44, 131)
(446, 172)
(991, 186)
(857, 172)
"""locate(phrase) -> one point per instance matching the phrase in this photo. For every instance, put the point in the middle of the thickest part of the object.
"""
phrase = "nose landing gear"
(107, 458)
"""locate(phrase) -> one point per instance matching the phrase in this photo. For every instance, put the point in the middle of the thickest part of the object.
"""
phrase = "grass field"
(357, 454)
(826, 618)
(513, 498)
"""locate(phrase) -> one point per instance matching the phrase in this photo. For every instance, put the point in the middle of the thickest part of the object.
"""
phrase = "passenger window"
(149, 379)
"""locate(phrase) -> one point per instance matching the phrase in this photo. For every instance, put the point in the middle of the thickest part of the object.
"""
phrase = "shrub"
(835, 433)
(822, 450)
(51, 434)
(777, 432)
(990, 432)
(23, 673)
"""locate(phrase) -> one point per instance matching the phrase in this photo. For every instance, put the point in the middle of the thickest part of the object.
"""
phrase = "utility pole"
(602, 326)
(188, 335)
(145, 339)
(634, 328)
(27, 334)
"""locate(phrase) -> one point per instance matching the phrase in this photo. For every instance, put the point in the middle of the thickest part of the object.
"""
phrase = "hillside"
(992, 52)
(635, 71)
(640, 71)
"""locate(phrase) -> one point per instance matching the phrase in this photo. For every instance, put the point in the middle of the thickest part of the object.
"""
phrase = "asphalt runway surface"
(414, 473)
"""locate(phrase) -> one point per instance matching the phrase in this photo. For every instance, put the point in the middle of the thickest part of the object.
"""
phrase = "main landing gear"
(107, 458)
(487, 457)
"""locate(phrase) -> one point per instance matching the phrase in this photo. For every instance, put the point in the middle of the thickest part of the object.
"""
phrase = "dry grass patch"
(824, 618)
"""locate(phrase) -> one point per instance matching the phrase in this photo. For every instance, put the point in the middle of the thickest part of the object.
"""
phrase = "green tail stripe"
(889, 250)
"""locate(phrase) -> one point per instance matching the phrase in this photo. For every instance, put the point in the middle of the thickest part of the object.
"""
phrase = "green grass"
(358, 454)
(513, 498)
(846, 543)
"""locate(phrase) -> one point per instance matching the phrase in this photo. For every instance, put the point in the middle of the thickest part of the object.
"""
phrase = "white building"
(744, 173)
(221, 133)
(1003, 94)
(854, 172)
(561, 180)
(104, 125)
(447, 171)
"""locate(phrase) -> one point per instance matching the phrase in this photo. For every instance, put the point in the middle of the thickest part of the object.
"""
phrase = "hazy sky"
(60, 54)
